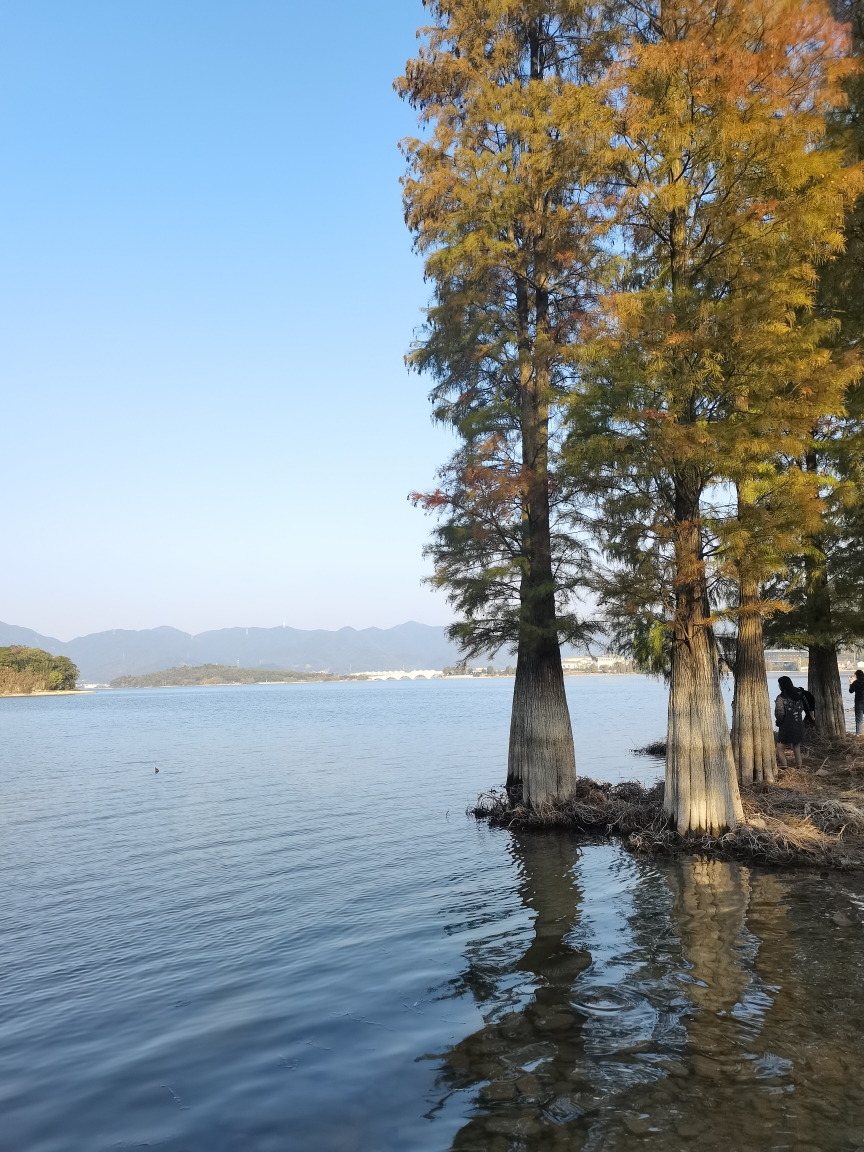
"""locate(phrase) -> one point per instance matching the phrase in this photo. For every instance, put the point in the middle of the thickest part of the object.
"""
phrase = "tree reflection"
(721, 1010)
(709, 907)
(724, 1090)
(526, 1058)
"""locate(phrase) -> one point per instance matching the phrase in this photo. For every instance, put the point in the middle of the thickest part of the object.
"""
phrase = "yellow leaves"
(699, 166)
(515, 145)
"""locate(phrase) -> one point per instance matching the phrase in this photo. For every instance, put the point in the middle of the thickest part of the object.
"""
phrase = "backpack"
(793, 707)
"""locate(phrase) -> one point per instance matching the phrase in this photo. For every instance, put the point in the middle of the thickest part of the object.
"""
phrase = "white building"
(593, 663)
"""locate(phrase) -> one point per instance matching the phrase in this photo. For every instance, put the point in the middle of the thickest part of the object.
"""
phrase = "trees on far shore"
(27, 670)
(624, 210)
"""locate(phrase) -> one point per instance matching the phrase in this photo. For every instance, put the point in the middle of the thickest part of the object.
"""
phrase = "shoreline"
(47, 692)
(346, 678)
(809, 817)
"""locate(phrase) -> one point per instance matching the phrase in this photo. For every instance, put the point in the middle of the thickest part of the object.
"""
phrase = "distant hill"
(103, 656)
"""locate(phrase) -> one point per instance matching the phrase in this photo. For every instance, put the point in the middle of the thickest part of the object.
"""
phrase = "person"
(856, 687)
(789, 711)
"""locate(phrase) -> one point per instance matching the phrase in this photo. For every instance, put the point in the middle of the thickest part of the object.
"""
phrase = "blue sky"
(207, 290)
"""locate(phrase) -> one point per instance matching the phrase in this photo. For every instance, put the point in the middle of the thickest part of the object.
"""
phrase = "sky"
(207, 293)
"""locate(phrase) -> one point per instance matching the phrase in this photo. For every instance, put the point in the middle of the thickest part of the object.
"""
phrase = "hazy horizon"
(207, 292)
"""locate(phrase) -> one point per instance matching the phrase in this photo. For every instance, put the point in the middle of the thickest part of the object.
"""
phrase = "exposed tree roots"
(812, 816)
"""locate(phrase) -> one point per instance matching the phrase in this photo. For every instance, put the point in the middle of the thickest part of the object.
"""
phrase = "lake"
(291, 937)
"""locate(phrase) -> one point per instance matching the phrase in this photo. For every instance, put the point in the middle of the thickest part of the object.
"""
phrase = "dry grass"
(810, 816)
(594, 807)
(657, 749)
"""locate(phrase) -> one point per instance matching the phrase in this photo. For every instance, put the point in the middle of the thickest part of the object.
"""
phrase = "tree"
(25, 670)
(827, 576)
(824, 575)
(840, 296)
(726, 202)
(500, 197)
(775, 509)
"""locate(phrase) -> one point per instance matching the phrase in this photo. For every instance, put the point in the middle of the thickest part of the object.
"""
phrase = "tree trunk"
(823, 677)
(823, 680)
(701, 785)
(753, 745)
(541, 763)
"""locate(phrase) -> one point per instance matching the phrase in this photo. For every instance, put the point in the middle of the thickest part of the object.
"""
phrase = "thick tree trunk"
(753, 747)
(823, 680)
(541, 763)
(701, 785)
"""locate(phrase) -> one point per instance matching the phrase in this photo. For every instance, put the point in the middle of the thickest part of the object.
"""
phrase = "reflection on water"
(521, 1057)
(291, 939)
(668, 1009)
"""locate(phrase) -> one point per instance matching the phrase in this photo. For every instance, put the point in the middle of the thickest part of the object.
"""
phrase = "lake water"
(292, 938)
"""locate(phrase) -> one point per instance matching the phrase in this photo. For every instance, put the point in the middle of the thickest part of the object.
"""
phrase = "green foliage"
(824, 576)
(646, 222)
(497, 196)
(186, 677)
(29, 670)
(841, 280)
(824, 583)
(711, 367)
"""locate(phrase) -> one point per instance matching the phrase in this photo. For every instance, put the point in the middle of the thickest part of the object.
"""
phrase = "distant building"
(798, 660)
(608, 663)
(786, 660)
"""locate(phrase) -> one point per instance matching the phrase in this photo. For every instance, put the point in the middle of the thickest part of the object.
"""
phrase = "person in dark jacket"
(856, 687)
(790, 708)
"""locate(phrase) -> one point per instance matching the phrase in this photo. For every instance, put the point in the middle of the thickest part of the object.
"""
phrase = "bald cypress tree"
(827, 575)
(727, 199)
(776, 507)
(823, 576)
(498, 195)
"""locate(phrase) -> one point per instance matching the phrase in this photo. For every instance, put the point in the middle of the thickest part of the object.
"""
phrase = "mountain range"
(101, 656)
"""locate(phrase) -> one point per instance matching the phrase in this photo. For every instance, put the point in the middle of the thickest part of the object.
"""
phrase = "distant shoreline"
(47, 692)
(348, 678)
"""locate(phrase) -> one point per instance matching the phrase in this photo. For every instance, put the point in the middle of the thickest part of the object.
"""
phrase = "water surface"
(292, 938)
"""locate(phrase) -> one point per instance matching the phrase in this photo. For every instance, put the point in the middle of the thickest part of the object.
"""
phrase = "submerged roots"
(810, 816)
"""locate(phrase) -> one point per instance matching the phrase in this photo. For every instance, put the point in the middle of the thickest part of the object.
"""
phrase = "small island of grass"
(31, 671)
